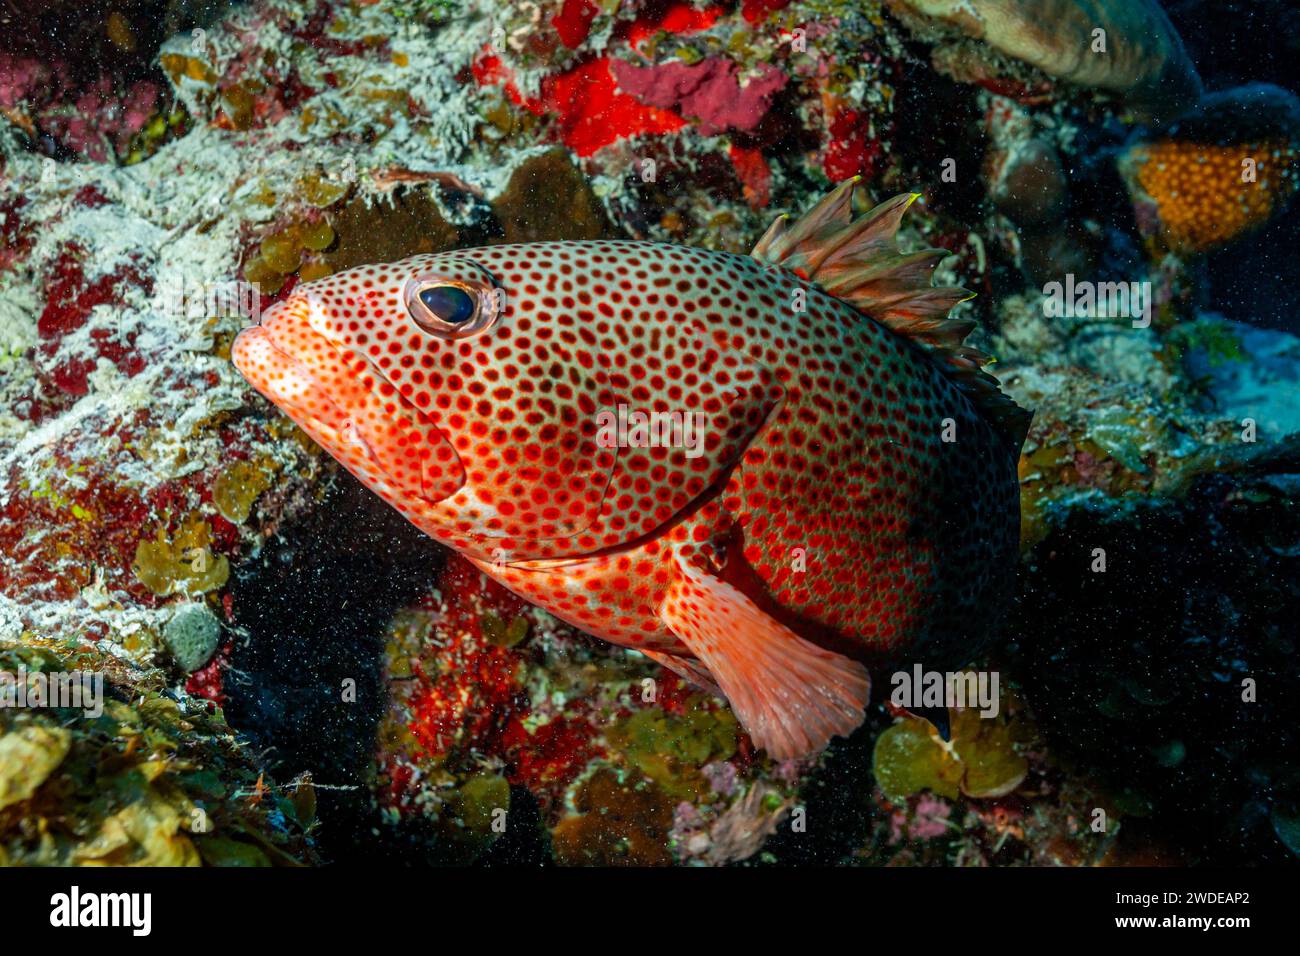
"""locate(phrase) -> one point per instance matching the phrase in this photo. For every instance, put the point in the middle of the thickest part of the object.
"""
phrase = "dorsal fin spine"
(858, 262)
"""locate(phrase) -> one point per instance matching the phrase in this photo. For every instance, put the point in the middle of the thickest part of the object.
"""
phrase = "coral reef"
(610, 748)
(1127, 47)
(256, 617)
(142, 779)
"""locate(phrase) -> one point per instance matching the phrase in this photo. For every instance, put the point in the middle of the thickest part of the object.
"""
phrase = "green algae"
(671, 748)
(146, 781)
(981, 760)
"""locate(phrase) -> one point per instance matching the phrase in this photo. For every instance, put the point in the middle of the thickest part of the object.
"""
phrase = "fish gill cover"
(761, 479)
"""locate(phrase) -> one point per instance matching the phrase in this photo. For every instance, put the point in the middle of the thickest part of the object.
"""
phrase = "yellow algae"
(987, 748)
(500, 633)
(619, 823)
(262, 275)
(237, 487)
(198, 70)
(499, 114)
(281, 251)
(265, 196)
(183, 564)
(907, 760)
(146, 833)
(670, 749)
(27, 758)
(981, 760)
(125, 787)
(310, 271)
(220, 851)
(119, 32)
(397, 98)
(179, 66)
(317, 236)
(238, 101)
(319, 192)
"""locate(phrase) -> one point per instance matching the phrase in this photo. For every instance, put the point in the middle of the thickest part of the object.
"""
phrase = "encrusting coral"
(1223, 170)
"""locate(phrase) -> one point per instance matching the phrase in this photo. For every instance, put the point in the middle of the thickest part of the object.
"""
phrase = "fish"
(769, 473)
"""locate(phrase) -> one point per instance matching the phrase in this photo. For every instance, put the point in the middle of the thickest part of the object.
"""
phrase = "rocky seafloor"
(295, 676)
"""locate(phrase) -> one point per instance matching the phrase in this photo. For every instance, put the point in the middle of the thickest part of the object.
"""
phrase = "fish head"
(432, 382)
(472, 391)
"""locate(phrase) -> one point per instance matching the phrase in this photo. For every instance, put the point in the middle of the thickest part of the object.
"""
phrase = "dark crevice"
(315, 604)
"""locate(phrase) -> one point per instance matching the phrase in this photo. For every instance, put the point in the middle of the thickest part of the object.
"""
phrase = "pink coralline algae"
(97, 121)
(19, 77)
(928, 820)
(71, 297)
(710, 91)
(103, 119)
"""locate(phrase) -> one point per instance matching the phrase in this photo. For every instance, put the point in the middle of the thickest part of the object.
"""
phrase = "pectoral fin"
(791, 695)
(687, 669)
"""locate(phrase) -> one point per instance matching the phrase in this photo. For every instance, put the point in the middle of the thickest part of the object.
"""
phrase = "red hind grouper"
(841, 486)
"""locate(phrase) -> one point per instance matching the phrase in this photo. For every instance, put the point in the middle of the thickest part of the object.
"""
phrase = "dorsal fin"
(858, 261)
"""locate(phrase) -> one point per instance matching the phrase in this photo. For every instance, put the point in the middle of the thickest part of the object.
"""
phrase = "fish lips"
(401, 456)
(289, 385)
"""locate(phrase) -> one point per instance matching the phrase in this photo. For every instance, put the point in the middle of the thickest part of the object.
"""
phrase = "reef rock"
(255, 615)
(1126, 47)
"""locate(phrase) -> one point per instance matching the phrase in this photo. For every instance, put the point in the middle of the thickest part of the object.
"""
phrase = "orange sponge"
(1218, 174)
(1201, 200)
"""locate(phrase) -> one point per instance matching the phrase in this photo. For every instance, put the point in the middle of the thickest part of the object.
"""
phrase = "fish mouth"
(339, 412)
(286, 382)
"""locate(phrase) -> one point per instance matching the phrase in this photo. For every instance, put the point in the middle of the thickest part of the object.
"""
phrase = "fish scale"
(822, 521)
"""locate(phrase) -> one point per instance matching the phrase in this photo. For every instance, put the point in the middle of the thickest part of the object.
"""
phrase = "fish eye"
(450, 309)
(450, 303)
